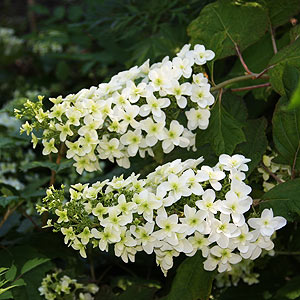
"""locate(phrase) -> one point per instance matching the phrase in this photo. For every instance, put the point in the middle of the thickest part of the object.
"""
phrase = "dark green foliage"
(284, 199)
(192, 275)
(222, 31)
(95, 40)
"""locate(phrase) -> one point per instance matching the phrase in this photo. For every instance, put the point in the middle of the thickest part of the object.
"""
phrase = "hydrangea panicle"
(181, 207)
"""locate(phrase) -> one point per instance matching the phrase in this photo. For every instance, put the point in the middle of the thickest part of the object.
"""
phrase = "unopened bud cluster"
(132, 113)
(282, 172)
(178, 208)
(59, 286)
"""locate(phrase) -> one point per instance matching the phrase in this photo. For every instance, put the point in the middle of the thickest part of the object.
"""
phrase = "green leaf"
(33, 282)
(33, 263)
(286, 134)
(295, 33)
(191, 282)
(2, 291)
(19, 282)
(291, 290)
(64, 165)
(283, 199)
(10, 142)
(289, 55)
(47, 164)
(280, 11)
(3, 270)
(11, 273)
(6, 295)
(256, 142)
(291, 76)
(235, 105)
(3, 282)
(295, 97)
(224, 132)
(37, 164)
(218, 30)
(6, 200)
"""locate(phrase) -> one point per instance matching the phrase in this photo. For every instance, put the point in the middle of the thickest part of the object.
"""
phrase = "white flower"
(49, 147)
(257, 243)
(74, 149)
(192, 180)
(109, 149)
(184, 50)
(207, 203)
(85, 235)
(200, 79)
(106, 237)
(176, 186)
(91, 126)
(173, 137)
(154, 131)
(183, 65)
(202, 96)
(200, 55)
(226, 257)
(68, 233)
(132, 139)
(57, 111)
(241, 189)
(120, 99)
(160, 77)
(77, 245)
(99, 211)
(128, 115)
(126, 208)
(183, 245)
(147, 204)
(154, 106)
(195, 220)
(144, 237)
(236, 161)
(64, 131)
(242, 241)
(267, 224)
(222, 231)
(169, 227)
(198, 118)
(199, 242)
(236, 207)
(126, 242)
(114, 220)
(179, 90)
(214, 177)
(134, 92)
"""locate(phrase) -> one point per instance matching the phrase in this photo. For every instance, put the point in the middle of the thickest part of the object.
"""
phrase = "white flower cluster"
(56, 285)
(131, 113)
(47, 42)
(10, 42)
(178, 208)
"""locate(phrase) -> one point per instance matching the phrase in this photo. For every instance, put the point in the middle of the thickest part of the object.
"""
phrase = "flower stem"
(272, 31)
(252, 87)
(237, 79)
(241, 59)
(272, 174)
